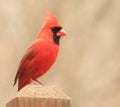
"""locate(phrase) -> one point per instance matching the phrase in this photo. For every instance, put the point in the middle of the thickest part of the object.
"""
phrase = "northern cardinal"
(42, 53)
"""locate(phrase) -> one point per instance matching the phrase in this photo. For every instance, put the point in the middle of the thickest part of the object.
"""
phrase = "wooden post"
(40, 96)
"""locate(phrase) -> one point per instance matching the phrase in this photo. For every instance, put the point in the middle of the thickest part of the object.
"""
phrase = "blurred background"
(88, 65)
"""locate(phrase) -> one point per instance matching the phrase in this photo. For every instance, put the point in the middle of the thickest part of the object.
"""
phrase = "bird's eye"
(56, 29)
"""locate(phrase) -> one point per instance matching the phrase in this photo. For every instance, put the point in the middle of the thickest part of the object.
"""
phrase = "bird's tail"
(23, 82)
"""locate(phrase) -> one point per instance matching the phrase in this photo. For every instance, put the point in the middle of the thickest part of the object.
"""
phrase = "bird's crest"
(50, 21)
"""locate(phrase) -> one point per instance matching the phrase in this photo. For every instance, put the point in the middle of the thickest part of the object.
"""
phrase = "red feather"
(41, 55)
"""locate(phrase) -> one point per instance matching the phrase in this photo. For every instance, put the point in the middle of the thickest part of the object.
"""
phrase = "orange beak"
(61, 33)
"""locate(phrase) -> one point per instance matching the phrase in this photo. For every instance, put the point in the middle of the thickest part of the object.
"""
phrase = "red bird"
(41, 55)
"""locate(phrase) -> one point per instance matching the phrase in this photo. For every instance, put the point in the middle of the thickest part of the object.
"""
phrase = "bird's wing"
(27, 58)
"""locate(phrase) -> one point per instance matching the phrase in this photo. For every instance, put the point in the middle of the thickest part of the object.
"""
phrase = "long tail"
(23, 82)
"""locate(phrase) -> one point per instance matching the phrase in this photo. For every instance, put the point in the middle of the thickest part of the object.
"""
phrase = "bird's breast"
(45, 57)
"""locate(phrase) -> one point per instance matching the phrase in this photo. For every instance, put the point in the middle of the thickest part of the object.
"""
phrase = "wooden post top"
(40, 96)
(40, 91)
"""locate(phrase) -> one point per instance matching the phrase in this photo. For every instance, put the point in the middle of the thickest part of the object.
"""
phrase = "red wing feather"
(24, 62)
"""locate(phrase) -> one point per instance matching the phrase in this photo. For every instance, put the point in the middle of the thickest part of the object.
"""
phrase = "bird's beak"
(61, 33)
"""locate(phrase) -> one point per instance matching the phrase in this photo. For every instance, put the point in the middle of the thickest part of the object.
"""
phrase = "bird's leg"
(36, 82)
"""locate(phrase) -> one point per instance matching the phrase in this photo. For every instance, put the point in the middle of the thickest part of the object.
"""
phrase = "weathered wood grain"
(40, 96)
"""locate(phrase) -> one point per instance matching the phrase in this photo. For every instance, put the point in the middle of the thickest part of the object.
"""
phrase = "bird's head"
(52, 23)
(51, 29)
